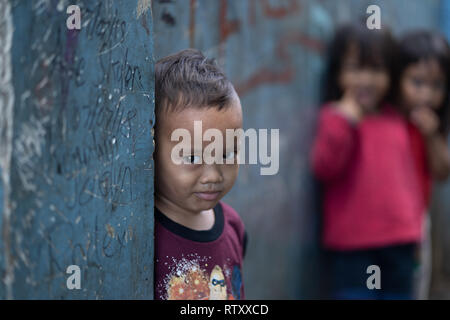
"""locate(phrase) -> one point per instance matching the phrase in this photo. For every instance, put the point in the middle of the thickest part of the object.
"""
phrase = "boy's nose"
(211, 174)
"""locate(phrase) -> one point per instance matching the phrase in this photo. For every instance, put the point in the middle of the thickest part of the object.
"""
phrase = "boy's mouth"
(208, 196)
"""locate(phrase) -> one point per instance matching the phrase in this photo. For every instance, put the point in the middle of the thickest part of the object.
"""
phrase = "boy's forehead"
(229, 117)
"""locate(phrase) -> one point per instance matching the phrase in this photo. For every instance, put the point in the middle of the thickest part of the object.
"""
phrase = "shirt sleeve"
(333, 145)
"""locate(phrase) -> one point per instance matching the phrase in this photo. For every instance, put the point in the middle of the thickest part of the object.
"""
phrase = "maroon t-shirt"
(200, 265)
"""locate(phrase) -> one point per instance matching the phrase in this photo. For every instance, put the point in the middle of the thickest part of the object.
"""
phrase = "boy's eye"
(191, 159)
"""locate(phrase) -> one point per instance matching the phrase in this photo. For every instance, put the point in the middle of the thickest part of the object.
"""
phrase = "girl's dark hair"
(423, 45)
(376, 49)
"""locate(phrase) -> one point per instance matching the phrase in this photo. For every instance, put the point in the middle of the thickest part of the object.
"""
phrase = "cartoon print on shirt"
(189, 281)
(190, 286)
(217, 285)
(236, 282)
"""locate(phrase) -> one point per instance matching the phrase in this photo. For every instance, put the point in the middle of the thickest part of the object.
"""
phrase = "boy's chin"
(203, 205)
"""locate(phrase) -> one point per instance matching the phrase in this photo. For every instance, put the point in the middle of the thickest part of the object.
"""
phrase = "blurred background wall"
(273, 52)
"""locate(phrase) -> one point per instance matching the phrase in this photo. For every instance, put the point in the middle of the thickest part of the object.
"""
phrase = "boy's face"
(422, 86)
(190, 186)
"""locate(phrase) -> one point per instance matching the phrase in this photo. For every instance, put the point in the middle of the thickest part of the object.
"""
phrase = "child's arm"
(437, 151)
(335, 141)
(438, 157)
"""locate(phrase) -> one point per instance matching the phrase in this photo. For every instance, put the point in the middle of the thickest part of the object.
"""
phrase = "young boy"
(199, 241)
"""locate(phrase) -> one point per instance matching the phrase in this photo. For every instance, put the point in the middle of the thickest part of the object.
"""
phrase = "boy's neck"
(202, 220)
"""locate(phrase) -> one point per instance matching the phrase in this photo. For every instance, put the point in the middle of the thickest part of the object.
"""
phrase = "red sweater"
(372, 192)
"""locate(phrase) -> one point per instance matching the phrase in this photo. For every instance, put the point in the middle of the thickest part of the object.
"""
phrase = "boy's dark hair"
(423, 45)
(376, 49)
(189, 79)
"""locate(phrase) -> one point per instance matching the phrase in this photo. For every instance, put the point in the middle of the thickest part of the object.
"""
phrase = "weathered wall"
(76, 112)
(273, 53)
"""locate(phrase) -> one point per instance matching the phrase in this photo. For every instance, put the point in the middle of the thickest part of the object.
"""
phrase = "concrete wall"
(273, 51)
(76, 112)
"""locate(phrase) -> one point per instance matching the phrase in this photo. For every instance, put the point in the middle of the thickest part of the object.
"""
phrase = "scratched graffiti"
(81, 174)
(273, 52)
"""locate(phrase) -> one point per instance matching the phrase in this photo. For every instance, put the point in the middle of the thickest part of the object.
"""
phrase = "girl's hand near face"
(437, 151)
(349, 107)
(426, 121)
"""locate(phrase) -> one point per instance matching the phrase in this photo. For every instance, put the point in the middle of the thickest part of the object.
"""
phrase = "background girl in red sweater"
(372, 204)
